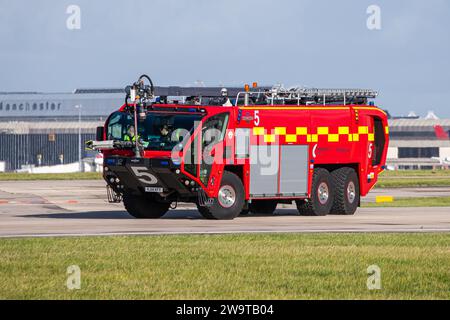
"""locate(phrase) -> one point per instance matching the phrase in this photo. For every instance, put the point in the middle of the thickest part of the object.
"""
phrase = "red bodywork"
(341, 135)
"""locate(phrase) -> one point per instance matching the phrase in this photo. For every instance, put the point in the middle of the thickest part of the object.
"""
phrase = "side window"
(213, 130)
(117, 126)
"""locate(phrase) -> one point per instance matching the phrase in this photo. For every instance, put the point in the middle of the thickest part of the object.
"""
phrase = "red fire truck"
(238, 151)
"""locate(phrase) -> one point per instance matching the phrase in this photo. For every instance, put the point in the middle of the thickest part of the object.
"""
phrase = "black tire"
(230, 182)
(263, 206)
(204, 211)
(141, 207)
(245, 212)
(346, 196)
(315, 206)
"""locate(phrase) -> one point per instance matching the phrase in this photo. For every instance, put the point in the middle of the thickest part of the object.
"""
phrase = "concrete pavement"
(57, 208)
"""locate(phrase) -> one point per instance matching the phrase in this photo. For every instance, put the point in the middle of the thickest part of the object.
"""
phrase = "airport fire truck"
(237, 151)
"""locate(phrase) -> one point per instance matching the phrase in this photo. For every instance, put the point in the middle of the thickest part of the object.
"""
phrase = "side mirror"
(99, 133)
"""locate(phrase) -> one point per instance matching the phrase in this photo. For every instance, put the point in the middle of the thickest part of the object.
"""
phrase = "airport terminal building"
(45, 129)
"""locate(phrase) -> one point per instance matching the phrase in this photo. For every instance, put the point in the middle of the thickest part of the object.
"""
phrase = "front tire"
(346, 184)
(204, 212)
(141, 207)
(230, 199)
(322, 195)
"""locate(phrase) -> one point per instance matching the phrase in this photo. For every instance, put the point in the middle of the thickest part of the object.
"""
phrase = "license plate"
(153, 189)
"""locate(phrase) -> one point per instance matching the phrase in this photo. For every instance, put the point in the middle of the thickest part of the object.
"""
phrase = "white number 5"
(256, 121)
(144, 176)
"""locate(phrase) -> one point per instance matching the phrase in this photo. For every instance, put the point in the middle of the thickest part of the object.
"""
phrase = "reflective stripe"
(343, 133)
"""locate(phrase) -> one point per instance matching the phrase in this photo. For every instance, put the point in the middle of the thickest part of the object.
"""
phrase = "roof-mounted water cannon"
(140, 95)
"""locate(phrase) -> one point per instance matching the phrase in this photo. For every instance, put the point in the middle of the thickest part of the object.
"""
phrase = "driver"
(165, 133)
(130, 136)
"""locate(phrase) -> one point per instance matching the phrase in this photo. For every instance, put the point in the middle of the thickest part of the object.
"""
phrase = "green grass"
(412, 202)
(416, 173)
(283, 266)
(50, 176)
(414, 178)
(412, 182)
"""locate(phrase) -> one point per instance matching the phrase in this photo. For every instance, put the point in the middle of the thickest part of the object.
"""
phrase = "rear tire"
(263, 206)
(141, 207)
(322, 195)
(346, 185)
(230, 199)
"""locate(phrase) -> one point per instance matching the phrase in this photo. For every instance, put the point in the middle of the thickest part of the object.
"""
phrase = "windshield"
(159, 131)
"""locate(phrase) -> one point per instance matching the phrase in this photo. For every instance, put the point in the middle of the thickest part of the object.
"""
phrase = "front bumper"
(142, 176)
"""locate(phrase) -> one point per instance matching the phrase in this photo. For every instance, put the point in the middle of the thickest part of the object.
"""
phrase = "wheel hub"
(323, 193)
(226, 196)
(351, 192)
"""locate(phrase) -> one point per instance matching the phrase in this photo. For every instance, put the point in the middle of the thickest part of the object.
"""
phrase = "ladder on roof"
(302, 95)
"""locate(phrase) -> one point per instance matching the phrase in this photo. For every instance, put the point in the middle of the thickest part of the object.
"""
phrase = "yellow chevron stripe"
(314, 137)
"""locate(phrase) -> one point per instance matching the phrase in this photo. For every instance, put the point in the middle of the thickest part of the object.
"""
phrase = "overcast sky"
(314, 43)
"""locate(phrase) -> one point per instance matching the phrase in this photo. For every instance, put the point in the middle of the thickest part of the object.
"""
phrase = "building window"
(1, 106)
(14, 107)
(53, 106)
(21, 107)
(418, 152)
(35, 106)
(41, 106)
(7, 107)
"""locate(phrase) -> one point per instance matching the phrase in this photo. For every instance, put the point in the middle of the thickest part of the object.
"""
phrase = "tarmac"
(79, 208)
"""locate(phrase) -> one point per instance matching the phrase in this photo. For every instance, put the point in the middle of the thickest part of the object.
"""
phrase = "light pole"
(78, 106)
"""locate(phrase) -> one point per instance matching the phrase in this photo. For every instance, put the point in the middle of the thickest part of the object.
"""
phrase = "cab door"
(203, 160)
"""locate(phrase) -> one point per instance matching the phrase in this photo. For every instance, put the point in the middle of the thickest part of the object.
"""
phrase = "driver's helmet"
(224, 92)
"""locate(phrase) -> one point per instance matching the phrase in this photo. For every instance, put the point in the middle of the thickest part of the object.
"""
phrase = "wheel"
(230, 198)
(346, 186)
(204, 211)
(263, 206)
(322, 195)
(144, 208)
(244, 212)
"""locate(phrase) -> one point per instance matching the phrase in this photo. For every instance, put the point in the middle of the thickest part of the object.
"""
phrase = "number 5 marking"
(147, 177)
(256, 116)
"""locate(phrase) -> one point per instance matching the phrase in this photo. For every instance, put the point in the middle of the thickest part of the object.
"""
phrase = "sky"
(314, 43)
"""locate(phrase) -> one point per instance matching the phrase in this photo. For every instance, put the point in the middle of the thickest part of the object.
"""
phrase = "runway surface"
(67, 208)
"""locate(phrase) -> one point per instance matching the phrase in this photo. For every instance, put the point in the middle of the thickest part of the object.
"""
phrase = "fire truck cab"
(237, 151)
